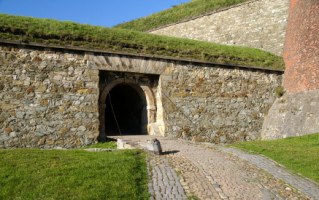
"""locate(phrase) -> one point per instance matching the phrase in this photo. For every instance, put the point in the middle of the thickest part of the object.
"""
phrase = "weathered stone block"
(7, 130)
(292, 115)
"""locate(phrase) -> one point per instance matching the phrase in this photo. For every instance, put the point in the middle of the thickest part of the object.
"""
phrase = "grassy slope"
(72, 174)
(299, 154)
(54, 32)
(177, 14)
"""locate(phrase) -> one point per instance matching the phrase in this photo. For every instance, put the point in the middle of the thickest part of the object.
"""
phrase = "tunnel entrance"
(125, 111)
(127, 104)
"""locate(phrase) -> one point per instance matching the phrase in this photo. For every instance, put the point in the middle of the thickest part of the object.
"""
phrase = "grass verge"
(177, 14)
(299, 154)
(103, 145)
(72, 174)
(52, 32)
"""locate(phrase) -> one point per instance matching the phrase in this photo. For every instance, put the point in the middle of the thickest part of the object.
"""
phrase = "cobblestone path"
(305, 186)
(209, 171)
(164, 183)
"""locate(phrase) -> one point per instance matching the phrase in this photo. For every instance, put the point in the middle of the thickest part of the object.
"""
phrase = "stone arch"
(146, 95)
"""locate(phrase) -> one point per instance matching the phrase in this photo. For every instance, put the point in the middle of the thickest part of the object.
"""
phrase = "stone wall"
(259, 24)
(216, 104)
(50, 98)
(292, 115)
(47, 99)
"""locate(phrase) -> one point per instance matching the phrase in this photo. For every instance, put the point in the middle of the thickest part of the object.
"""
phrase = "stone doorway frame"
(142, 90)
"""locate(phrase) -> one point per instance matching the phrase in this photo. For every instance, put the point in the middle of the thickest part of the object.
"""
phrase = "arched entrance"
(126, 104)
(125, 111)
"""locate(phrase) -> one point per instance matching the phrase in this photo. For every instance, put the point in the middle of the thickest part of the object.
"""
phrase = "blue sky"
(95, 12)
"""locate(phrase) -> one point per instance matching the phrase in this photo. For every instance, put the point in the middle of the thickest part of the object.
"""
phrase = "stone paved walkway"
(164, 183)
(209, 171)
(305, 186)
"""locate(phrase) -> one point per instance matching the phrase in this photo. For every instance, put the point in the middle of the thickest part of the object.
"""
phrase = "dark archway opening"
(125, 111)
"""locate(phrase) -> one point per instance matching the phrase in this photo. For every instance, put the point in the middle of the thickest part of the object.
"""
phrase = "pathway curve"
(209, 171)
(304, 185)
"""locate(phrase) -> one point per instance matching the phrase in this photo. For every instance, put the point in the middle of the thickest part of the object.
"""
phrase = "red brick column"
(301, 52)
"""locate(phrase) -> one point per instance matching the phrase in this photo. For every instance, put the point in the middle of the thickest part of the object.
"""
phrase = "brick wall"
(301, 52)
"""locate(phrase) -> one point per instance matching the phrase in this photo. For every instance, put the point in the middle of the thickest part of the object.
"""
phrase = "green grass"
(72, 174)
(103, 145)
(177, 14)
(299, 154)
(52, 32)
(192, 197)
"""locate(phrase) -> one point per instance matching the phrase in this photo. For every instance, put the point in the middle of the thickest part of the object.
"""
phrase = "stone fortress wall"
(284, 27)
(297, 112)
(259, 24)
(50, 98)
(217, 104)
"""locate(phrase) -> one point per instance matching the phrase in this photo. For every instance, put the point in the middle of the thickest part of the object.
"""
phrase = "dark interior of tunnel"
(127, 106)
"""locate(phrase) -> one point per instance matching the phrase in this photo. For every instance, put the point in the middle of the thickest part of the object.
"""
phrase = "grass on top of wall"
(33, 174)
(52, 32)
(299, 154)
(177, 14)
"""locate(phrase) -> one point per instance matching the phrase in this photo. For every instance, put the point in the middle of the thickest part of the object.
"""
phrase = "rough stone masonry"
(49, 97)
(257, 23)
